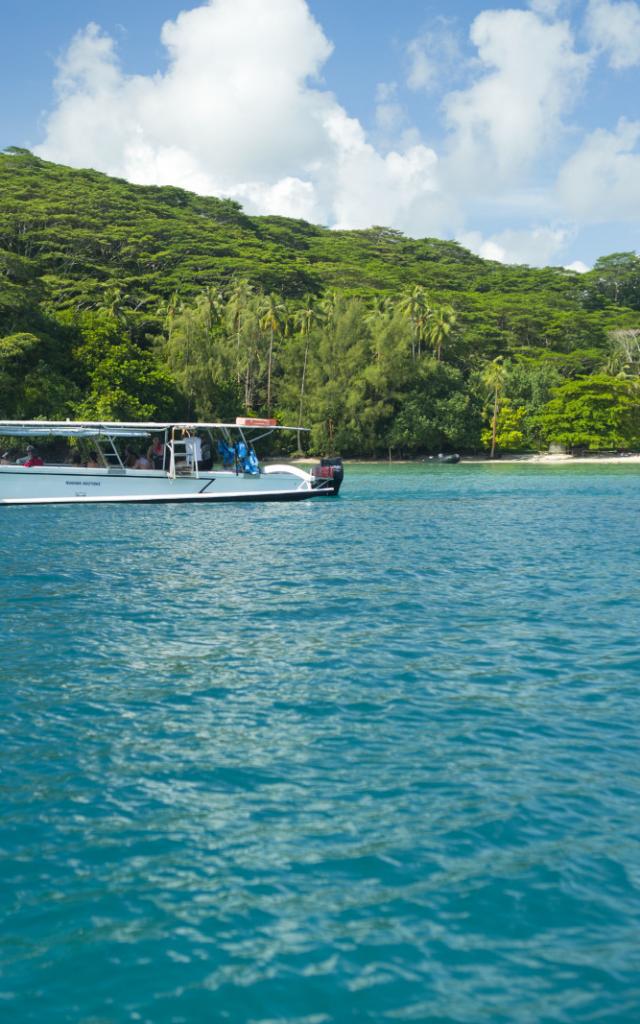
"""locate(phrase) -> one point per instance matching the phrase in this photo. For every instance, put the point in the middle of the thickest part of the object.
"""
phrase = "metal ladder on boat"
(182, 446)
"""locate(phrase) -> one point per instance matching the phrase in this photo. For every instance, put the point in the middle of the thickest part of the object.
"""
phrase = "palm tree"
(415, 306)
(168, 311)
(624, 353)
(443, 320)
(381, 309)
(328, 307)
(304, 319)
(494, 377)
(238, 303)
(272, 319)
(113, 302)
(211, 303)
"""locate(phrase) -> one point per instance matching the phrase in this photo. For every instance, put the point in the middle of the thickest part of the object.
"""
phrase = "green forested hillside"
(118, 300)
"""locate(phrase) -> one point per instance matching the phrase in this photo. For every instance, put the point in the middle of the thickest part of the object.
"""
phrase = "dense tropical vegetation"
(123, 301)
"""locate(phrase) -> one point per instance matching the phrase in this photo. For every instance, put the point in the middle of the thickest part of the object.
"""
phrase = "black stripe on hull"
(202, 499)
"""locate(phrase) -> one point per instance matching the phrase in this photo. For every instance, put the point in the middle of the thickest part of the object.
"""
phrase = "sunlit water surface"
(370, 759)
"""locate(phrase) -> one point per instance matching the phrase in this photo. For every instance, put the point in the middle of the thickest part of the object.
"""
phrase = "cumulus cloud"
(614, 28)
(431, 56)
(508, 118)
(547, 8)
(390, 115)
(422, 69)
(601, 181)
(538, 246)
(238, 112)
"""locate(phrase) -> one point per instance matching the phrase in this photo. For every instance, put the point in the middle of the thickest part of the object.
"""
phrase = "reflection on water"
(365, 759)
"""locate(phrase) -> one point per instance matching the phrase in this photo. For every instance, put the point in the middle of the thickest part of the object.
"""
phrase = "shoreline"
(544, 459)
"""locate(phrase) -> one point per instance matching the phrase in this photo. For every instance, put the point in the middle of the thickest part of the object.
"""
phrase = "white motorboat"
(192, 462)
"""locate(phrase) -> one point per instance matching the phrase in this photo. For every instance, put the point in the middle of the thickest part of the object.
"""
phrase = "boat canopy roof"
(11, 429)
(88, 428)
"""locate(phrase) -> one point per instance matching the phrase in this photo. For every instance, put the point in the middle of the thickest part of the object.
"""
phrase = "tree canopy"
(125, 300)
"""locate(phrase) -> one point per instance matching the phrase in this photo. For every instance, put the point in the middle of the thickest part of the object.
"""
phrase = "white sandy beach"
(543, 458)
(548, 459)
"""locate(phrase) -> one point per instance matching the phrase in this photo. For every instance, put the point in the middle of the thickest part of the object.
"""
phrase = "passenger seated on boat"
(206, 462)
(142, 462)
(5, 459)
(129, 458)
(155, 453)
(92, 461)
(74, 458)
(32, 459)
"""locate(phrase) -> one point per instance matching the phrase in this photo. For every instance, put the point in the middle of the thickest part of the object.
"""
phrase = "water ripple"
(366, 759)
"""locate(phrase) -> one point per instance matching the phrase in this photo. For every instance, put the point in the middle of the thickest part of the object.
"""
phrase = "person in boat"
(193, 449)
(155, 453)
(92, 461)
(142, 462)
(130, 457)
(206, 462)
(32, 459)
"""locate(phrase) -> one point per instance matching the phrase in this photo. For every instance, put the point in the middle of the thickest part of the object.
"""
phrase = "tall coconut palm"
(328, 305)
(272, 319)
(114, 303)
(441, 325)
(210, 306)
(304, 319)
(238, 303)
(168, 312)
(494, 377)
(377, 316)
(414, 304)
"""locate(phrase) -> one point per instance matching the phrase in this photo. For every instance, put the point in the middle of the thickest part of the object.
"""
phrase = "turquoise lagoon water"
(373, 759)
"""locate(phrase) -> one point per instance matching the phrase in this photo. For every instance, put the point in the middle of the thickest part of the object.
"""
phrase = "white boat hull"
(47, 485)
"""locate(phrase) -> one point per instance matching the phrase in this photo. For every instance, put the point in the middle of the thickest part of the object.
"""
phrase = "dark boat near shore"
(449, 459)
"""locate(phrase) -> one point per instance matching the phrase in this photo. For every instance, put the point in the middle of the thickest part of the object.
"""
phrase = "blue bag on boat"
(250, 463)
(226, 453)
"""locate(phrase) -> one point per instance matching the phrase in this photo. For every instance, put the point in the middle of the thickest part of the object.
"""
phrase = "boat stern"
(328, 476)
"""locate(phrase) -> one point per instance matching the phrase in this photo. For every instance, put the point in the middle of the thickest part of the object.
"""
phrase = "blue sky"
(514, 128)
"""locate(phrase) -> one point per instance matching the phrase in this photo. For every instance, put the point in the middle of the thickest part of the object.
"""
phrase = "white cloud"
(614, 28)
(422, 68)
(537, 246)
(547, 8)
(239, 112)
(507, 119)
(389, 113)
(432, 55)
(601, 181)
(399, 189)
(578, 266)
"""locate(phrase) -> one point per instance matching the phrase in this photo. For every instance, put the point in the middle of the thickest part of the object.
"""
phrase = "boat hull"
(53, 485)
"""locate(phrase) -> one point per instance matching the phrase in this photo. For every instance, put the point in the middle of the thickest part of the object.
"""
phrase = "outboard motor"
(328, 475)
